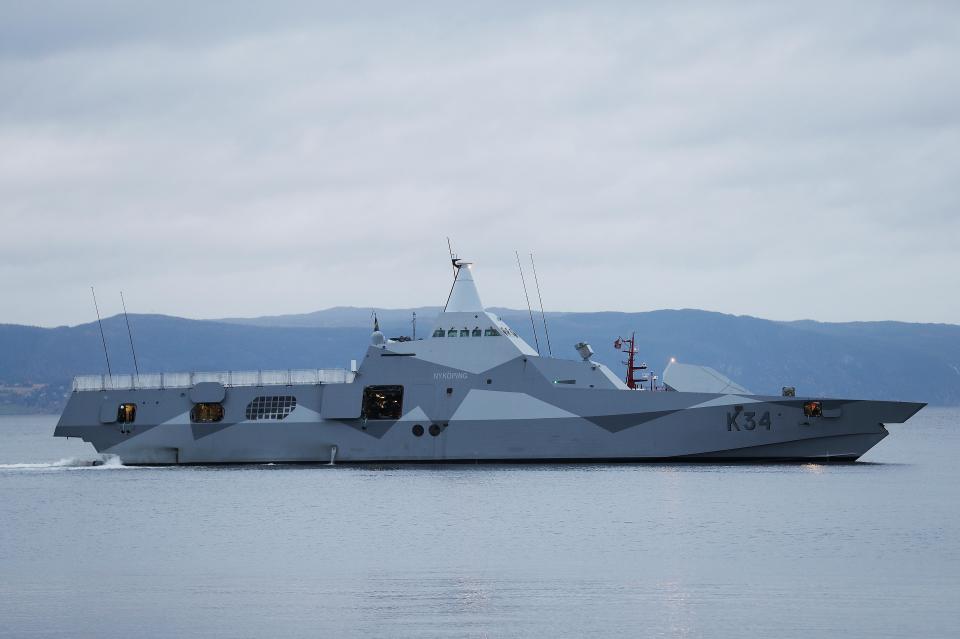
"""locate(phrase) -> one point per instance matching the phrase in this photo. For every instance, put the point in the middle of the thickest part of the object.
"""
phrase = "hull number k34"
(747, 420)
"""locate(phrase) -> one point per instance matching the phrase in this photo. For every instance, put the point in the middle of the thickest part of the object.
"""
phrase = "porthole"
(434, 430)
(418, 430)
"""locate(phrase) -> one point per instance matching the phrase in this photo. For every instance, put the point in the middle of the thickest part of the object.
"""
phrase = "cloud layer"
(238, 161)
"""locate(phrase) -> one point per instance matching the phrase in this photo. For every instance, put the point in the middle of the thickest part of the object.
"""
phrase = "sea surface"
(870, 549)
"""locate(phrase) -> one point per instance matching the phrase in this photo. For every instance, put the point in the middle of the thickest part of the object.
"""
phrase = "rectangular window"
(382, 402)
(127, 413)
(812, 409)
(206, 412)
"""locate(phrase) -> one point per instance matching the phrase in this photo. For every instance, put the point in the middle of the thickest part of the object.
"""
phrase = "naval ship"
(473, 391)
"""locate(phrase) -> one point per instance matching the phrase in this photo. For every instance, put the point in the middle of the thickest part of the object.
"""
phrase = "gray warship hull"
(472, 392)
(466, 418)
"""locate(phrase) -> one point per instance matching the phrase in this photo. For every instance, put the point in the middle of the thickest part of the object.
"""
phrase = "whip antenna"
(456, 269)
(102, 338)
(130, 334)
(529, 310)
(542, 314)
(453, 258)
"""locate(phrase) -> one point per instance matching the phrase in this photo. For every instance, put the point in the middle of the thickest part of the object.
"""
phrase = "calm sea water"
(858, 550)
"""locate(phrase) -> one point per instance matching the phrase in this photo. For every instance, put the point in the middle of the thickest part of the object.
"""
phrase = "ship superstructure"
(473, 391)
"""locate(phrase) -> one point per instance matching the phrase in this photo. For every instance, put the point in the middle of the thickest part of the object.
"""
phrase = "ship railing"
(227, 378)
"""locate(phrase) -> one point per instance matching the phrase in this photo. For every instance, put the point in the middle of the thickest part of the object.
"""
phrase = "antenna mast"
(456, 269)
(136, 367)
(542, 314)
(453, 257)
(634, 382)
(529, 310)
(102, 338)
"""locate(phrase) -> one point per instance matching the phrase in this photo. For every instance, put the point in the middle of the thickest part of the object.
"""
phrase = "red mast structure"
(633, 382)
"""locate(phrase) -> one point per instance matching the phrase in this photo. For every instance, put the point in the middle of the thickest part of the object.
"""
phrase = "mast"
(456, 271)
(633, 382)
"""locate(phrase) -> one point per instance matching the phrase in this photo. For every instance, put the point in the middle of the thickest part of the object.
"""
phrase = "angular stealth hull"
(477, 421)
(473, 392)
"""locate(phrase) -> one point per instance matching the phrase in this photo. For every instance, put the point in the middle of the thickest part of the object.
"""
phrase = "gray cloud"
(239, 161)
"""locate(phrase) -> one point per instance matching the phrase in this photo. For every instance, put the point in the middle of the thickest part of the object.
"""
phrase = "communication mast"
(637, 374)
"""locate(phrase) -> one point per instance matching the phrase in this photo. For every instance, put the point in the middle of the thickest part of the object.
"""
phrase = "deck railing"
(227, 378)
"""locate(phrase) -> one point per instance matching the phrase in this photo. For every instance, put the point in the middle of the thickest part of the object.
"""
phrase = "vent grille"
(271, 407)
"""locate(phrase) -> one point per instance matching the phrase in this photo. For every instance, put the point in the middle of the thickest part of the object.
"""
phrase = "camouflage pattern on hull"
(473, 392)
(476, 424)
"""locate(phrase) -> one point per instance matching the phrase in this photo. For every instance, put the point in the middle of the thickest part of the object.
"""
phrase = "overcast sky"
(254, 159)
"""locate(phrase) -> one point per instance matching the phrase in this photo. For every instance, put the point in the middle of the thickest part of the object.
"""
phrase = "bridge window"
(452, 332)
(813, 409)
(271, 407)
(477, 332)
(382, 402)
(465, 332)
(206, 413)
(491, 332)
(438, 333)
(126, 413)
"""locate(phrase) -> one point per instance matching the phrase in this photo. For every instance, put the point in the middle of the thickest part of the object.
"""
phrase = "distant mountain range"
(870, 360)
